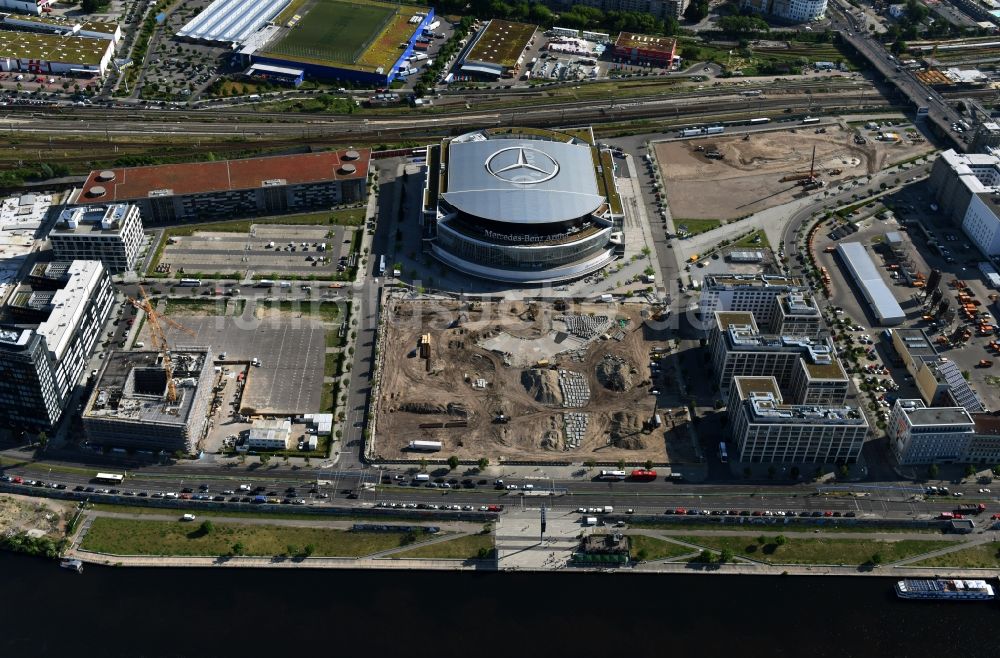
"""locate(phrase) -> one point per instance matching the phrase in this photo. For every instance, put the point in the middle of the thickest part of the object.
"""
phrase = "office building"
(131, 406)
(987, 138)
(111, 234)
(822, 382)
(928, 435)
(753, 293)
(984, 446)
(796, 314)
(765, 430)
(48, 329)
(269, 434)
(522, 205)
(738, 349)
(967, 187)
(224, 189)
(938, 379)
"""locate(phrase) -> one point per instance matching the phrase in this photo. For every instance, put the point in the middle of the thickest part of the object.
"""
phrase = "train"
(695, 132)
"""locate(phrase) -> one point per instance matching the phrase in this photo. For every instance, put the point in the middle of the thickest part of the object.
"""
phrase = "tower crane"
(159, 338)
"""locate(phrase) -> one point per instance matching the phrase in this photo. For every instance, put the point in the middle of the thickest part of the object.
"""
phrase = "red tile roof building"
(233, 188)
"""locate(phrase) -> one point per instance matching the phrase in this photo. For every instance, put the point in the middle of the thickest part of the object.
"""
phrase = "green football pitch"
(334, 31)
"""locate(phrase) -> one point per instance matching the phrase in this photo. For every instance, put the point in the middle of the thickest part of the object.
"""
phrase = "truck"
(590, 520)
(643, 475)
(607, 509)
(970, 508)
(421, 477)
(607, 298)
(425, 446)
(285, 284)
(419, 57)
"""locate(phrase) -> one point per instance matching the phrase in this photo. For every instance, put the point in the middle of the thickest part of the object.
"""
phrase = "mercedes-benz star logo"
(521, 164)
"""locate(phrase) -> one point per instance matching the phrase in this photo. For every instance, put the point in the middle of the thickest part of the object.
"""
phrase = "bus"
(758, 121)
(723, 453)
(190, 282)
(265, 283)
(381, 265)
(643, 475)
(110, 478)
(811, 120)
(612, 475)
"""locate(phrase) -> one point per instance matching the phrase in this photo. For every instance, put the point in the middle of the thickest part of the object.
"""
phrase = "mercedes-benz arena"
(522, 205)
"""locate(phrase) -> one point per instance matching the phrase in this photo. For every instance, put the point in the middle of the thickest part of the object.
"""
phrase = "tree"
(264, 458)
(238, 548)
(590, 463)
(725, 555)
(876, 559)
(308, 550)
(291, 550)
(932, 471)
(843, 472)
(696, 11)
(649, 464)
(43, 440)
(705, 556)
(970, 470)
(642, 555)
(206, 528)
(780, 540)
(483, 463)
(452, 463)
(899, 46)
(423, 464)
(621, 464)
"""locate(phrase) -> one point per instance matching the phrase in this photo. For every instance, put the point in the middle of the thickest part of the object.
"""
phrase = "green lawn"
(655, 549)
(696, 226)
(460, 548)
(818, 551)
(333, 31)
(141, 537)
(983, 556)
(332, 337)
(751, 242)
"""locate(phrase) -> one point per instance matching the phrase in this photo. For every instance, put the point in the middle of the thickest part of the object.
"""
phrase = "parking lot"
(291, 350)
(266, 249)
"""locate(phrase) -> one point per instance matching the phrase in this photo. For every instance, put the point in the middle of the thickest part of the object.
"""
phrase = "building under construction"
(131, 407)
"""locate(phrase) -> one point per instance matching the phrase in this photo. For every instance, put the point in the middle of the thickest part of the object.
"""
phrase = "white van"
(187, 517)
(140, 345)
(421, 477)
(244, 487)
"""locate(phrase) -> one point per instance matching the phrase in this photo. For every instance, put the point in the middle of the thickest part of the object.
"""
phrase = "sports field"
(335, 31)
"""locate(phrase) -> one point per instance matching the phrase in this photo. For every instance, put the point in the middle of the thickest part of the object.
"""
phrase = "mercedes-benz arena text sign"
(522, 165)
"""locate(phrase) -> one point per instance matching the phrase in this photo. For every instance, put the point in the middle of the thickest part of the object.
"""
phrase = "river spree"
(208, 613)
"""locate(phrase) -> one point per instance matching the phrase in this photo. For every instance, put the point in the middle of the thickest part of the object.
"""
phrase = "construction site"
(525, 381)
(729, 176)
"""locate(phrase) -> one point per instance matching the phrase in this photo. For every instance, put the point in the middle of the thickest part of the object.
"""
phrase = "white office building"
(111, 234)
(270, 434)
(765, 430)
(752, 293)
(794, 11)
(926, 435)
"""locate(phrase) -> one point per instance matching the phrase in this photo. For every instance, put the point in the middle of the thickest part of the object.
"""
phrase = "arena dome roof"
(522, 181)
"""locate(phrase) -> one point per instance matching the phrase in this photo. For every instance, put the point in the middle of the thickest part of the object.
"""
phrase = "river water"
(209, 613)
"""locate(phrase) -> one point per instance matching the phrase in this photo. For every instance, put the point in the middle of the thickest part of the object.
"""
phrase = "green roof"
(501, 43)
(825, 370)
(727, 318)
(748, 385)
(53, 48)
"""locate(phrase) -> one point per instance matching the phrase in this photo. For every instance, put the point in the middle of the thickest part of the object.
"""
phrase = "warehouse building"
(885, 309)
(645, 50)
(231, 21)
(48, 329)
(111, 234)
(62, 26)
(765, 430)
(522, 205)
(497, 50)
(929, 435)
(225, 189)
(25, 6)
(44, 54)
(130, 405)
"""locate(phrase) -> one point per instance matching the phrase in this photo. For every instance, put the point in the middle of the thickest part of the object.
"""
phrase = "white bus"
(811, 120)
(613, 475)
(381, 265)
(110, 478)
(265, 283)
(190, 282)
(759, 120)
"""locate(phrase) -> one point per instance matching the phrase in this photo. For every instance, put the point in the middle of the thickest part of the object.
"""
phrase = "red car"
(18, 480)
(828, 513)
(995, 517)
(680, 510)
(185, 496)
(495, 508)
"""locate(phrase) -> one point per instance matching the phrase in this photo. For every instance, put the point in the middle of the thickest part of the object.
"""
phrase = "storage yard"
(751, 169)
(525, 382)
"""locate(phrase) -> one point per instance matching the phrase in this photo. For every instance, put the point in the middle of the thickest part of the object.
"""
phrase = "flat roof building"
(967, 185)
(111, 234)
(129, 406)
(796, 314)
(48, 329)
(59, 25)
(233, 188)
(859, 265)
(45, 54)
(269, 434)
(645, 50)
(754, 293)
(984, 446)
(927, 435)
(231, 21)
(765, 430)
(497, 50)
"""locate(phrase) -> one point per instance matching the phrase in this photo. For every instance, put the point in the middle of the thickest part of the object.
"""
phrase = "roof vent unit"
(106, 176)
(347, 168)
(96, 191)
(351, 155)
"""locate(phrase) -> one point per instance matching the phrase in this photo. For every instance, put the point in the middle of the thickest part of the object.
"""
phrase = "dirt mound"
(542, 385)
(450, 409)
(615, 373)
(625, 431)
(551, 441)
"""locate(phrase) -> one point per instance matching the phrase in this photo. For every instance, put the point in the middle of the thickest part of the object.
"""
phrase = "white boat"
(75, 565)
(944, 589)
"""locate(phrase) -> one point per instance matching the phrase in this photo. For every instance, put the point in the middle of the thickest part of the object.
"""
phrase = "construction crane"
(809, 176)
(159, 338)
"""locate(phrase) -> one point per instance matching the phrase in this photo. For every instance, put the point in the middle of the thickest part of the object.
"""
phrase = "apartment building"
(765, 430)
(919, 434)
(110, 233)
(48, 329)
